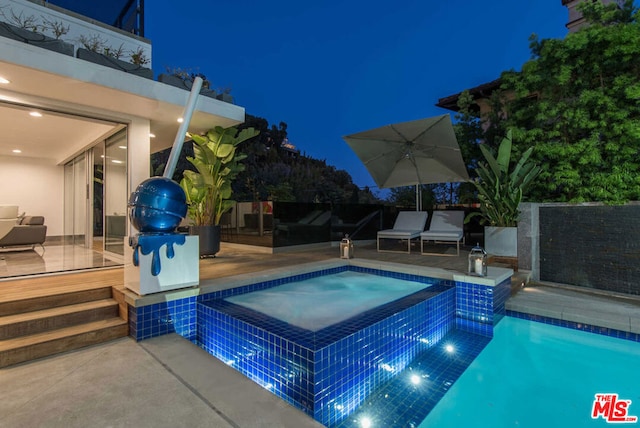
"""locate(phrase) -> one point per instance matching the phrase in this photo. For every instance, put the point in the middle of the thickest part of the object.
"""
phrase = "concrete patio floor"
(169, 382)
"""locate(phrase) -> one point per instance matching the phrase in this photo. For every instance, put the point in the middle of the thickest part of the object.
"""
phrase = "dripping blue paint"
(156, 208)
(148, 244)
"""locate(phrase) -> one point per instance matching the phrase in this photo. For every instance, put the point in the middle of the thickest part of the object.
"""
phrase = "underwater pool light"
(450, 349)
(388, 368)
(365, 422)
(415, 379)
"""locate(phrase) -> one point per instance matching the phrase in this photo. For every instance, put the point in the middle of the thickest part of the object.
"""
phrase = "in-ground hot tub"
(325, 366)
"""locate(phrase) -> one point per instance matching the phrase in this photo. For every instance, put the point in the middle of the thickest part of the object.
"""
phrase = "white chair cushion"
(441, 235)
(398, 233)
(9, 211)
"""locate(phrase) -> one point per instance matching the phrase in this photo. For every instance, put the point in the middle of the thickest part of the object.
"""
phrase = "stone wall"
(587, 245)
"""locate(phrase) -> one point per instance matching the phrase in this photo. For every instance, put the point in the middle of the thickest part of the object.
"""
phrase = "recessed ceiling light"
(4, 81)
(35, 114)
(180, 120)
(152, 135)
(16, 151)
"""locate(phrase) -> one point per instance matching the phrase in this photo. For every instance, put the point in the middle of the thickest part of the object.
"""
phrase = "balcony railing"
(96, 26)
(127, 15)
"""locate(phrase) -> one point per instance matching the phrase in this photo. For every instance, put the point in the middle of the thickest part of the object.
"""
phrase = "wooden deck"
(47, 315)
(45, 285)
(42, 315)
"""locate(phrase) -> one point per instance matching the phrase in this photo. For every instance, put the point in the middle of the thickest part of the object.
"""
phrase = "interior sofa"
(20, 231)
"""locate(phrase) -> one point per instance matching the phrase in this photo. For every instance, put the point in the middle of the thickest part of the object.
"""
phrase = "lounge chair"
(446, 226)
(408, 225)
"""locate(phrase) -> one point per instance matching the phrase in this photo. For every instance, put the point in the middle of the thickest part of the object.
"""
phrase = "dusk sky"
(332, 68)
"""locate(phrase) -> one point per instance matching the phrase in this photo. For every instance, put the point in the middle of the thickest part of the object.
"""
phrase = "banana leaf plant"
(217, 162)
(500, 191)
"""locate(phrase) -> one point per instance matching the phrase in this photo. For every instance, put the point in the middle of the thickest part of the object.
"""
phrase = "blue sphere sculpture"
(157, 206)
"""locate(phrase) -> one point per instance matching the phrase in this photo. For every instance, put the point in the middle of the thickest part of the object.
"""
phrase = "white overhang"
(96, 95)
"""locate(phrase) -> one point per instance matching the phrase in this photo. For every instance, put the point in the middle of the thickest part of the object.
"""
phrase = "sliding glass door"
(76, 201)
(95, 205)
(115, 192)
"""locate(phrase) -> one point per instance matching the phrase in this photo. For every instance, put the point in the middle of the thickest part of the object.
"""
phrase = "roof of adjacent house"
(481, 91)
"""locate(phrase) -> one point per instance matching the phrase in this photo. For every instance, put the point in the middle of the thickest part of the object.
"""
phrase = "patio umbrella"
(411, 153)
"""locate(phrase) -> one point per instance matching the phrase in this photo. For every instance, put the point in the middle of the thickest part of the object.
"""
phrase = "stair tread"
(56, 311)
(54, 335)
(19, 289)
(55, 291)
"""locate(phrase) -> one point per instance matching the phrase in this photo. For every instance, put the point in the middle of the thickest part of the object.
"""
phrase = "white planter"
(501, 241)
(183, 270)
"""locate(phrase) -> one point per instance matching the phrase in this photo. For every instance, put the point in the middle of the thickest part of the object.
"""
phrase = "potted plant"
(208, 189)
(500, 192)
(25, 28)
(225, 95)
(183, 79)
(97, 51)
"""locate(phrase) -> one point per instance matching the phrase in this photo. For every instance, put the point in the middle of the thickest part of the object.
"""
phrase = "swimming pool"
(533, 374)
(530, 374)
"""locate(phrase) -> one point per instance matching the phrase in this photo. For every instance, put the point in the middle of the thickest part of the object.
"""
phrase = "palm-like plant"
(500, 190)
(217, 162)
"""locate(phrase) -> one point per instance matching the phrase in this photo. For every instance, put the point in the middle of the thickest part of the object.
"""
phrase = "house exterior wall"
(75, 87)
(36, 186)
(576, 21)
(78, 26)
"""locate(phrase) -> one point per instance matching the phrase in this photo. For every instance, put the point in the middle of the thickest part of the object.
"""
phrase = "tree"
(273, 172)
(578, 103)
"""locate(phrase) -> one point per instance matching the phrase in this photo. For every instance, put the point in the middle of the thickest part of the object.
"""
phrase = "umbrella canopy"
(411, 153)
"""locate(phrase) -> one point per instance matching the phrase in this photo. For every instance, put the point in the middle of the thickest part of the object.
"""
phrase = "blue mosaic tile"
(329, 372)
(177, 316)
(407, 399)
(611, 332)
(480, 307)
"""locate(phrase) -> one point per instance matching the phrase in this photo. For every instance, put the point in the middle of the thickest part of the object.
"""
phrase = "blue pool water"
(537, 375)
(529, 375)
(317, 303)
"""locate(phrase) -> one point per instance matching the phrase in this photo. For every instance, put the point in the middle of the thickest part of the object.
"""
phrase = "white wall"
(112, 38)
(36, 186)
(138, 158)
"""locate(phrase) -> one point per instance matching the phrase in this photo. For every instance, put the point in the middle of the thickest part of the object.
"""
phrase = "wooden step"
(58, 317)
(26, 348)
(30, 302)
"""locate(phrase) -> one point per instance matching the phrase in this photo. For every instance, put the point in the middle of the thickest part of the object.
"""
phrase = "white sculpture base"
(182, 271)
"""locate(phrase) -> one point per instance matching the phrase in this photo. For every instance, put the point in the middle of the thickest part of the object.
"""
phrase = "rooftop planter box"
(227, 98)
(36, 39)
(109, 61)
(185, 83)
